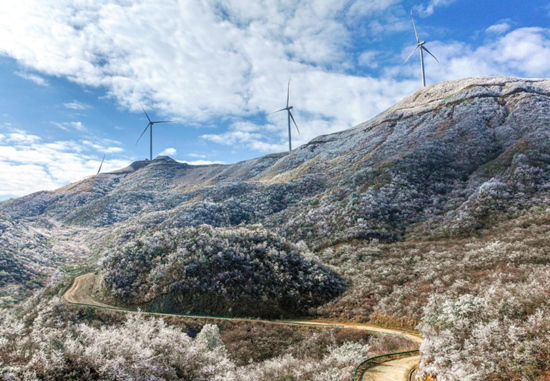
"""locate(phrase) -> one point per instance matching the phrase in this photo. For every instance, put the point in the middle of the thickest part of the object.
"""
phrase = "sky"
(74, 74)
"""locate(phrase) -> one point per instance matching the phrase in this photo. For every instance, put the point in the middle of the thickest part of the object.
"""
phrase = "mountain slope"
(448, 136)
(448, 160)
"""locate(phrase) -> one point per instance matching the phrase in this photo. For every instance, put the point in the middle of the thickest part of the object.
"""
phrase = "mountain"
(447, 161)
(434, 215)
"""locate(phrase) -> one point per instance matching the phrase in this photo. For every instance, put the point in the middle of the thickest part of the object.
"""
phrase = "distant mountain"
(446, 161)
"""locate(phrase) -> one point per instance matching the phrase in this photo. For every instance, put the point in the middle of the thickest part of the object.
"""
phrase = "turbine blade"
(414, 26)
(149, 119)
(143, 133)
(427, 51)
(410, 55)
(162, 121)
(101, 165)
(283, 109)
(288, 93)
(291, 117)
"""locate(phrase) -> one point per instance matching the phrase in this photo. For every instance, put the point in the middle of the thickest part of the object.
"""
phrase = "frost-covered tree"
(237, 271)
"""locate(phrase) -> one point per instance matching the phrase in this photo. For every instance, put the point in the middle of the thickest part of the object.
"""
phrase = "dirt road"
(80, 293)
(396, 370)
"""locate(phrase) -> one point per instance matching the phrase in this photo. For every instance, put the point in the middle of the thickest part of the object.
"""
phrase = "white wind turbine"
(288, 108)
(150, 127)
(420, 45)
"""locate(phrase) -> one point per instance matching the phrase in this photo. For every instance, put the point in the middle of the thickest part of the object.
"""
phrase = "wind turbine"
(150, 127)
(288, 108)
(101, 165)
(420, 44)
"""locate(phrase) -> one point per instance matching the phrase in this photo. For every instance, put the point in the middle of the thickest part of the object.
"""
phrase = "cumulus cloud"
(18, 137)
(33, 78)
(263, 138)
(520, 52)
(174, 66)
(169, 152)
(429, 9)
(231, 60)
(28, 164)
(103, 146)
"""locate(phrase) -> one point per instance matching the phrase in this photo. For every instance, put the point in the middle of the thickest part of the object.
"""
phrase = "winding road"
(396, 370)
(80, 293)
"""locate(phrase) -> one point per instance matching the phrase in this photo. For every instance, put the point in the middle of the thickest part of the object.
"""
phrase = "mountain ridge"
(448, 160)
(483, 87)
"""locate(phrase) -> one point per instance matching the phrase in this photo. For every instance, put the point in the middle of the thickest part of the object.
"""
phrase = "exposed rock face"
(448, 160)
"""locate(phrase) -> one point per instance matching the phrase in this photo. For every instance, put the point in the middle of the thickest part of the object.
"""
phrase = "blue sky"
(73, 73)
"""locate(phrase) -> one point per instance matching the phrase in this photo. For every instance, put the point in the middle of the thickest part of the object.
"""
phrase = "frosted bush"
(139, 349)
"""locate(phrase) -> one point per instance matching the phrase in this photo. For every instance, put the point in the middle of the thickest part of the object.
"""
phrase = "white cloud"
(193, 155)
(368, 59)
(27, 164)
(231, 138)
(262, 138)
(428, 10)
(521, 52)
(33, 78)
(103, 147)
(499, 28)
(21, 137)
(175, 67)
(169, 152)
(200, 162)
(21, 179)
(69, 126)
(365, 7)
(76, 105)
(229, 60)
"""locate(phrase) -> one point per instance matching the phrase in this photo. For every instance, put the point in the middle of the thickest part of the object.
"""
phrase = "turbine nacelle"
(421, 43)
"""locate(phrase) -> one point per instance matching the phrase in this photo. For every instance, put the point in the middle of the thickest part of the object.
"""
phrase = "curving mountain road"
(396, 370)
(80, 293)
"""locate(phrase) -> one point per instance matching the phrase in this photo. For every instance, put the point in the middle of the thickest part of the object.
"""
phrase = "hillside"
(446, 161)
(217, 272)
(432, 212)
(433, 156)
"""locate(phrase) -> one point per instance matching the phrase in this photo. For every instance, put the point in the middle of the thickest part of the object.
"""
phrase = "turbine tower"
(420, 45)
(150, 127)
(288, 108)
(101, 165)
